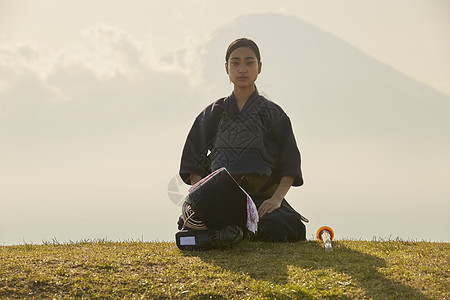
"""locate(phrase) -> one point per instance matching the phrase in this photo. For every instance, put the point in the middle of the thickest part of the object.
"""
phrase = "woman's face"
(243, 67)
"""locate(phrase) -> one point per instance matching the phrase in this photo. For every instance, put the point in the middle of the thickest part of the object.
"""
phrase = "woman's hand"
(269, 206)
(274, 202)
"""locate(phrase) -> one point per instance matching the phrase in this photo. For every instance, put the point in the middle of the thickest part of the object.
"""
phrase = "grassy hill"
(251, 270)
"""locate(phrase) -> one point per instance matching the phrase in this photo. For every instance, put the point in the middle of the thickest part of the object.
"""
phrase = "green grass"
(251, 270)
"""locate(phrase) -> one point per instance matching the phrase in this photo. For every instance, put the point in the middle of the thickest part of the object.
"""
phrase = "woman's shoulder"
(213, 110)
(268, 102)
(270, 108)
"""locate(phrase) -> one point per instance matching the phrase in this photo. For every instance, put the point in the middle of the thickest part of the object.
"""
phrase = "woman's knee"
(281, 230)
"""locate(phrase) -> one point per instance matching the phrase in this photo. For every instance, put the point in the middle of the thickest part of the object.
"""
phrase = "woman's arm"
(274, 202)
(194, 178)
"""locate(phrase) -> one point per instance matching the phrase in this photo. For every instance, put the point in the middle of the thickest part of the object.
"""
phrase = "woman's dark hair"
(243, 42)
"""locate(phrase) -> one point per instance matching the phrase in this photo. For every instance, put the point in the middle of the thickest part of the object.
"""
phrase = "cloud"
(104, 58)
(107, 82)
(93, 125)
(113, 51)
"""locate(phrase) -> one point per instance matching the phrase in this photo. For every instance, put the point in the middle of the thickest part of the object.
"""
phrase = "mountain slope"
(375, 143)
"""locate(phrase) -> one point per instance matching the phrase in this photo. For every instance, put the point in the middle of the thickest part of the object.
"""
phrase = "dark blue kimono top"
(256, 140)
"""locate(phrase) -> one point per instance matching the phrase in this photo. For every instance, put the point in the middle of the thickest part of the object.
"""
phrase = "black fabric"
(282, 225)
(258, 139)
(218, 201)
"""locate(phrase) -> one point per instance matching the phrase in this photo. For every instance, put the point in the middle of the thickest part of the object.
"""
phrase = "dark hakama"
(258, 148)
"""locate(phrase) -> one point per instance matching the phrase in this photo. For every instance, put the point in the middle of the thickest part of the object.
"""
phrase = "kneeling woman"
(252, 138)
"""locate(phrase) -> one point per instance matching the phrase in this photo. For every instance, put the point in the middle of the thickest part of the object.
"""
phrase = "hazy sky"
(413, 36)
(96, 99)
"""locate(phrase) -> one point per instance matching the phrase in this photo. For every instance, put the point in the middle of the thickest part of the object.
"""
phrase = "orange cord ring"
(319, 232)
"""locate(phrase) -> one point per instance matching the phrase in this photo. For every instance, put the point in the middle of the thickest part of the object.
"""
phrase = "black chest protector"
(239, 146)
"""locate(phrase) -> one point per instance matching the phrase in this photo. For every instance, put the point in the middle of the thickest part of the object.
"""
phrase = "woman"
(252, 137)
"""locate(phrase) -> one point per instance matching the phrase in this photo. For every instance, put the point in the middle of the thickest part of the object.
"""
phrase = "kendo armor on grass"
(214, 213)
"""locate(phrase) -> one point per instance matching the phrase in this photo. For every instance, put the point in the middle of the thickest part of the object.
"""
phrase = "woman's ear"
(226, 68)
(259, 67)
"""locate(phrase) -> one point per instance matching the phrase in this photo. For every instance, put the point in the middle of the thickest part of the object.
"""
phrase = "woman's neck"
(242, 95)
